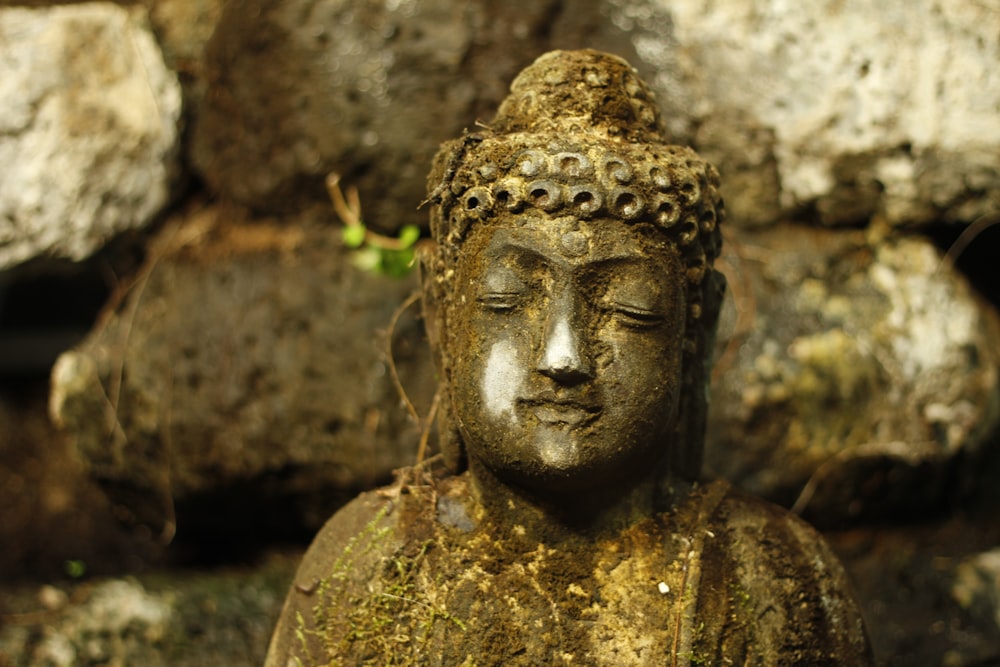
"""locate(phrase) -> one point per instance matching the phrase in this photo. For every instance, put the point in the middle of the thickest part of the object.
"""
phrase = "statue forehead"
(566, 239)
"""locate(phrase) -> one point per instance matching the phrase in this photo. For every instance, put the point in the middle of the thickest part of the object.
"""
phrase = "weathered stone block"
(88, 129)
(859, 108)
(855, 373)
(245, 354)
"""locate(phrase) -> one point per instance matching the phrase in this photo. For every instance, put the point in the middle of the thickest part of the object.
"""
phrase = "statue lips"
(561, 412)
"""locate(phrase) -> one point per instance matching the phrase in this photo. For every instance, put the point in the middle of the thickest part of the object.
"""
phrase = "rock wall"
(833, 111)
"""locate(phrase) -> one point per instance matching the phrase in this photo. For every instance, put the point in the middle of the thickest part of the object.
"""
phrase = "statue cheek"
(503, 378)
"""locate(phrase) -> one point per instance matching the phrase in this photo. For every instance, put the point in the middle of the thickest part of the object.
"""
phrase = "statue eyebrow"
(523, 255)
(528, 257)
(618, 261)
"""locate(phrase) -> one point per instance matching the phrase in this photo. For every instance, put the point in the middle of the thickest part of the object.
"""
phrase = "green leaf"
(396, 263)
(75, 568)
(408, 235)
(354, 236)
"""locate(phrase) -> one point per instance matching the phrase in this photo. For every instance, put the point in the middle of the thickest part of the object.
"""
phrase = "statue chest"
(442, 596)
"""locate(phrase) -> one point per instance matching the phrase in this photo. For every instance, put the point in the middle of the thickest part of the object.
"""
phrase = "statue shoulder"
(352, 541)
(763, 531)
(362, 562)
(785, 589)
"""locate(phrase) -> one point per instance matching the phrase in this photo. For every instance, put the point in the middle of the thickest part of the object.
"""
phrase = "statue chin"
(556, 466)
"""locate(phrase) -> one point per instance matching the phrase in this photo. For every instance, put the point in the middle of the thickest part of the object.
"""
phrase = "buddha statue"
(570, 301)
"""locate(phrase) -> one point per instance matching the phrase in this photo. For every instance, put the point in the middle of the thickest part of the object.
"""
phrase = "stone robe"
(420, 574)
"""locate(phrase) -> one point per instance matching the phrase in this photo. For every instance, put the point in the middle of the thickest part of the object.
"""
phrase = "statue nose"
(562, 357)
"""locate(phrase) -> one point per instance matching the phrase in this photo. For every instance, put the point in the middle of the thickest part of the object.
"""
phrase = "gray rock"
(847, 108)
(976, 585)
(176, 618)
(854, 375)
(88, 129)
(119, 623)
(244, 354)
(844, 110)
(368, 89)
(183, 28)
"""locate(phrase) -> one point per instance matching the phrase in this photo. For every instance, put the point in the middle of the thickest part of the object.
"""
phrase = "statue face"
(566, 343)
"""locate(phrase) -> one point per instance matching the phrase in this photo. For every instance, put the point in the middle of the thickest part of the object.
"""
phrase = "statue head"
(570, 297)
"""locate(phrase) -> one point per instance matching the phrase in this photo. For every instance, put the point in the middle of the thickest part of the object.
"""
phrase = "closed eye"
(501, 302)
(639, 318)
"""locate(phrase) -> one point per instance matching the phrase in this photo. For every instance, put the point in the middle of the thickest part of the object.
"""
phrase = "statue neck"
(596, 513)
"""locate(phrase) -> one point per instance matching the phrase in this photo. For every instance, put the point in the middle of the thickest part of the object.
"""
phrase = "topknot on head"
(579, 135)
(572, 91)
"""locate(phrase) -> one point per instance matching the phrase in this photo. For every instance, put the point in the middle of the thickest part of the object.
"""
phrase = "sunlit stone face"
(566, 341)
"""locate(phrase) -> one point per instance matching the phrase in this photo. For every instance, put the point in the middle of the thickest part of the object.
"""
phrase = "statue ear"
(430, 307)
(693, 413)
(450, 441)
(711, 307)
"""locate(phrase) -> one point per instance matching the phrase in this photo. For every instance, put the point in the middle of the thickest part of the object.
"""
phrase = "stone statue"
(570, 301)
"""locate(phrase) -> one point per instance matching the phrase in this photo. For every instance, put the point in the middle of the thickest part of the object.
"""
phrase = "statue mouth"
(561, 413)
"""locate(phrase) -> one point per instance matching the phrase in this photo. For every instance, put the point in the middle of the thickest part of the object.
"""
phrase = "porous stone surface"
(368, 89)
(853, 373)
(88, 128)
(976, 585)
(246, 359)
(841, 110)
(846, 109)
(183, 29)
(178, 618)
(119, 622)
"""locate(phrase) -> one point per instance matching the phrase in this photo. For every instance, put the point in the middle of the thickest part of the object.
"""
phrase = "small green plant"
(75, 568)
(374, 252)
(740, 595)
